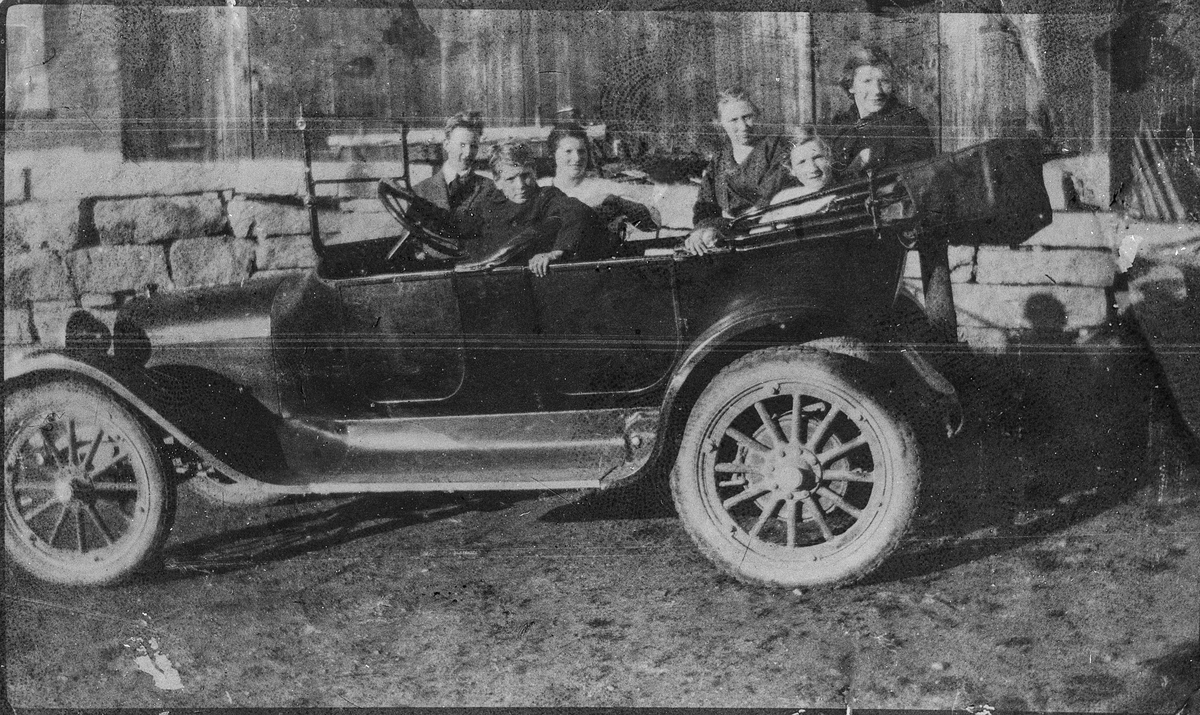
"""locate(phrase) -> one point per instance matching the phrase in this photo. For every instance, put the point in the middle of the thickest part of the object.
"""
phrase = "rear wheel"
(85, 499)
(791, 474)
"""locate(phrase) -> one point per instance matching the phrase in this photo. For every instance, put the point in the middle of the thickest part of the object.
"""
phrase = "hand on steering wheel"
(401, 203)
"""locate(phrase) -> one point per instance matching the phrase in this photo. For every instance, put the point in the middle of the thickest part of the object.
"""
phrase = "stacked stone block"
(92, 253)
(1055, 288)
(63, 255)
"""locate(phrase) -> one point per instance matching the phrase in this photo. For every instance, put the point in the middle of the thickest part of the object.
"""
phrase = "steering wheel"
(418, 219)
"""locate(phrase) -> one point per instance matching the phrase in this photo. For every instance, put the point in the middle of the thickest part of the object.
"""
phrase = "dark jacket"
(896, 134)
(436, 190)
(729, 187)
(493, 220)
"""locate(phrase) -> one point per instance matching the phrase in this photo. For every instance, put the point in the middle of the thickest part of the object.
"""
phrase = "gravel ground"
(1048, 570)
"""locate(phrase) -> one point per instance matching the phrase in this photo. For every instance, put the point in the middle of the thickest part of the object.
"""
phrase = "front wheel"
(85, 499)
(791, 474)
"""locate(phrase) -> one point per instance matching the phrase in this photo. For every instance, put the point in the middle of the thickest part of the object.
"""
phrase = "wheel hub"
(71, 484)
(794, 470)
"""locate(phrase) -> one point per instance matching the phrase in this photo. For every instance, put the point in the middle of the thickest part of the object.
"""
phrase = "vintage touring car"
(770, 381)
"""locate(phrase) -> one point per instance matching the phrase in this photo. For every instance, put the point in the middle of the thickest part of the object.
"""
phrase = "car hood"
(204, 315)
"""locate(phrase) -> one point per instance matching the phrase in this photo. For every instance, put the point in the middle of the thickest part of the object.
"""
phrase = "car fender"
(221, 422)
(790, 320)
(806, 324)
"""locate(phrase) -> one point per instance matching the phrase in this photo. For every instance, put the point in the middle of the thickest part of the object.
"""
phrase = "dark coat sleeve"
(897, 135)
(727, 187)
(913, 139)
(707, 211)
(581, 235)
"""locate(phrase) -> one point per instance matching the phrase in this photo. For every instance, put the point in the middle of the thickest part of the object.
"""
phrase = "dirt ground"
(1050, 569)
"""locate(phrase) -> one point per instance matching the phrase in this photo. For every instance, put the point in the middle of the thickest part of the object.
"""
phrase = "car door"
(607, 327)
(402, 337)
(500, 331)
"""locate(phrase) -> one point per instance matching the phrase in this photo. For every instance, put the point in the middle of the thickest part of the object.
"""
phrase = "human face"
(811, 166)
(460, 148)
(570, 158)
(517, 183)
(737, 119)
(871, 89)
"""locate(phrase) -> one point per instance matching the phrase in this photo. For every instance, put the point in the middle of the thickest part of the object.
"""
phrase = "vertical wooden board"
(586, 36)
(522, 70)
(682, 77)
(233, 93)
(727, 52)
(487, 61)
(624, 82)
(1076, 87)
(795, 85)
(784, 38)
(757, 40)
(412, 79)
(457, 51)
(832, 34)
(590, 57)
(138, 52)
(696, 84)
(983, 80)
(960, 74)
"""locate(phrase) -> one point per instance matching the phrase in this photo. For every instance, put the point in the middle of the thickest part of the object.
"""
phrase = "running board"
(531, 483)
(542, 450)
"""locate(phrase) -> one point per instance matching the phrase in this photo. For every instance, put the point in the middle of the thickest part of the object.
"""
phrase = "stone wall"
(93, 252)
(71, 246)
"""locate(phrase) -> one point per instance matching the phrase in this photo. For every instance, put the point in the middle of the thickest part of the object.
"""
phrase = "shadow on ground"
(317, 524)
(646, 496)
(1058, 432)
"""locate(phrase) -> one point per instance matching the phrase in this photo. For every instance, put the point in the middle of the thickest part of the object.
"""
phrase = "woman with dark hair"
(613, 201)
(877, 131)
(747, 171)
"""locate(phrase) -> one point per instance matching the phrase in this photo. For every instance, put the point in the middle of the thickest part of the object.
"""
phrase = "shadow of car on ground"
(317, 524)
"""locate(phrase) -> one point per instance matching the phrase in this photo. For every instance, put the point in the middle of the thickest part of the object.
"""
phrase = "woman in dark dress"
(747, 171)
(877, 131)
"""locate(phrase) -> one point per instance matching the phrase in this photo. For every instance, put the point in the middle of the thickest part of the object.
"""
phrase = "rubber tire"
(154, 508)
(892, 501)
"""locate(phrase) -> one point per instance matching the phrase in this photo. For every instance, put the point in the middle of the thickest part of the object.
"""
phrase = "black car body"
(381, 373)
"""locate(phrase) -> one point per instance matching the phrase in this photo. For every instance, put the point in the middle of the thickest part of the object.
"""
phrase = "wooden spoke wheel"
(85, 499)
(792, 474)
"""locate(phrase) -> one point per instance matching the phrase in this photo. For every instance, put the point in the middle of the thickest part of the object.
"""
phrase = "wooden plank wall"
(180, 95)
(651, 75)
(654, 75)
